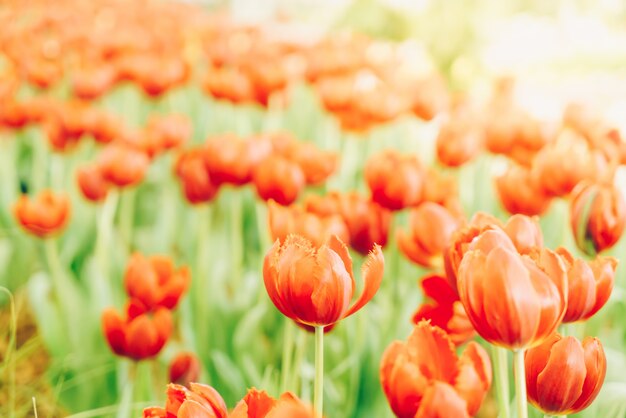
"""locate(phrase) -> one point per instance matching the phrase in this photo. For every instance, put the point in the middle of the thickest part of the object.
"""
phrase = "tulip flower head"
(597, 216)
(155, 282)
(514, 301)
(199, 401)
(197, 183)
(44, 215)
(122, 165)
(431, 227)
(395, 180)
(314, 285)
(563, 375)
(520, 192)
(138, 334)
(184, 368)
(280, 179)
(423, 377)
(91, 183)
(258, 404)
(445, 310)
(589, 285)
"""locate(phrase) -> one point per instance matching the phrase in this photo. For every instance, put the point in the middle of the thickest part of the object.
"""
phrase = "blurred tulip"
(368, 223)
(91, 183)
(230, 84)
(521, 192)
(155, 282)
(200, 401)
(424, 377)
(589, 285)
(91, 83)
(317, 165)
(169, 131)
(560, 166)
(597, 216)
(286, 220)
(233, 160)
(104, 126)
(122, 165)
(430, 97)
(279, 179)
(564, 376)
(137, 335)
(13, 114)
(526, 295)
(445, 311)
(184, 368)
(459, 141)
(442, 189)
(44, 215)
(258, 404)
(395, 180)
(431, 227)
(314, 285)
(194, 176)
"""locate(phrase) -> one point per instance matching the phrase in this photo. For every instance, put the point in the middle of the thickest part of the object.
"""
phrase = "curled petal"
(372, 273)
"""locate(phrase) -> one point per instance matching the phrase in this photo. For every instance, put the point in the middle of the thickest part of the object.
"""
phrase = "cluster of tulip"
(112, 71)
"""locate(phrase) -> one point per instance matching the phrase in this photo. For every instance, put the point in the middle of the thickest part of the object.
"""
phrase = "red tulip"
(169, 131)
(279, 179)
(155, 282)
(200, 401)
(424, 377)
(92, 183)
(459, 141)
(395, 180)
(44, 215)
(597, 216)
(137, 335)
(184, 369)
(564, 376)
(431, 227)
(520, 192)
(514, 301)
(589, 285)
(194, 176)
(233, 160)
(445, 311)
(122, 165)
(314, 286)
(258, 404)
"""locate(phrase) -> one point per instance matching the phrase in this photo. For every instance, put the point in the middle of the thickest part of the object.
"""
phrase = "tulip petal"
(193, 409)
(372, 273)
(560, 383)
(595, 364)
(212, 397)
(535, 360)
(441, 401)
(474, 378)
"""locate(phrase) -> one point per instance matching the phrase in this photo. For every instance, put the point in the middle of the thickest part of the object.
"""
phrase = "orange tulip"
(155, 282)
(233, 160)
(424, 377)
(91, 183)
(367, 222)
(560, 166)
(228, 83)
(589, 285)
(314, 285)
(137, 335)
(168, 131)
(459, 141)
(122, 165)
(524, 232)
(442, 189)
(279, 179)
(191, 169)
(431, 227)
(184, 368)
(564, 376)
(104, 126)
(200, 401)
(395, 180)
(597, 216)
(445, 311)
(286, 220)
(514, 301)
(258, 404)
(316, 164)
(91, 83)
(44, 215)
(521, 192)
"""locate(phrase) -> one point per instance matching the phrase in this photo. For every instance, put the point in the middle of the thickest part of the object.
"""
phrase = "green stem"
(300, 353)
(520, 384)
(8, 361)
(125, 407)
(236, 222)
(500, 361)
(265, 240)
(318, 391)
(39, 162)
(127, 214)
(288, 343)
(202, 295)
(103, 243)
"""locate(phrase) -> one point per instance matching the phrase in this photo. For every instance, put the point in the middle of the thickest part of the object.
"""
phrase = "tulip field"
(204, 215)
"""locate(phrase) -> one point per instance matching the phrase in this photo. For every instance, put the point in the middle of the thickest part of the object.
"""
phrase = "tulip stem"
(318, 391)
(520, 384)
(502, 380)
(237, 241)
(103, 241)
(288, 342)
(295, 377)
(63, 289)
(127, 216)
(124, 410)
